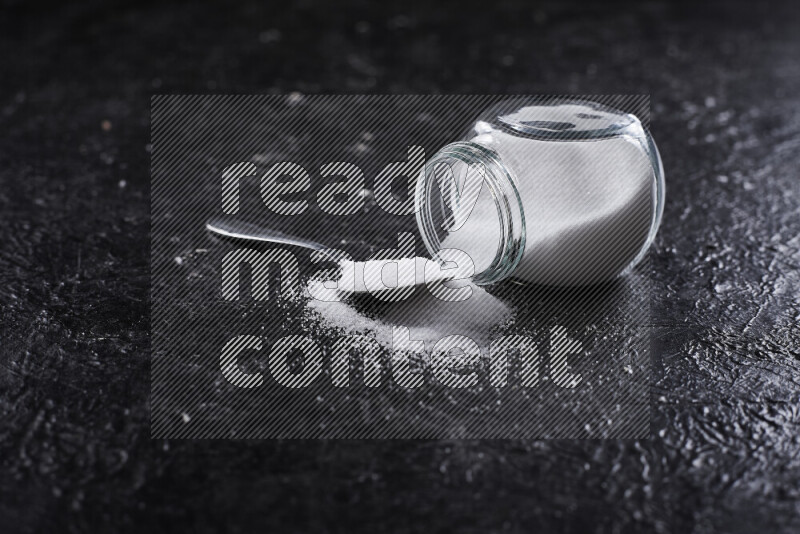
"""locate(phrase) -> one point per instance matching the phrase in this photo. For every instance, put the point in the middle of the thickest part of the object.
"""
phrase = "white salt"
(427, 317)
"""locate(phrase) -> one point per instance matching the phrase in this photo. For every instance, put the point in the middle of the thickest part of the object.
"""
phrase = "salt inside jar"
(558, 192)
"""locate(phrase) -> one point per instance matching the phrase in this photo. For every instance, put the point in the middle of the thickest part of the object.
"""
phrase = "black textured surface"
(74, 438)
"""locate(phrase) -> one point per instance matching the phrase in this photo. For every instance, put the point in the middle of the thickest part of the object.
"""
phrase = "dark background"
(75, 452)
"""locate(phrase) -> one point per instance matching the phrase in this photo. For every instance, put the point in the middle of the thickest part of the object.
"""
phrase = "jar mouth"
(440, 207)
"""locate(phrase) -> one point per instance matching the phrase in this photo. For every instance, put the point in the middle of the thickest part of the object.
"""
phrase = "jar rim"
(502, 186)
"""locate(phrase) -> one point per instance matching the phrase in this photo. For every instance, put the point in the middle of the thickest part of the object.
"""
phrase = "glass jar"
(555, 192)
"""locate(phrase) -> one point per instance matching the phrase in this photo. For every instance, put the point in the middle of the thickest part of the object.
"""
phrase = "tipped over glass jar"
(557, 192)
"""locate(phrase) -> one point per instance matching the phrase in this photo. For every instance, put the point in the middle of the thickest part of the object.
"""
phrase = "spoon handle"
(251, 232)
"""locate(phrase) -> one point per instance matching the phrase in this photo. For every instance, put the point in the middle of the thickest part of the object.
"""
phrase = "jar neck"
(500, 182)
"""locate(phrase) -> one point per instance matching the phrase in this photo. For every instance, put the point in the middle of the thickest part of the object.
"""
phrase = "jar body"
(562, 193)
